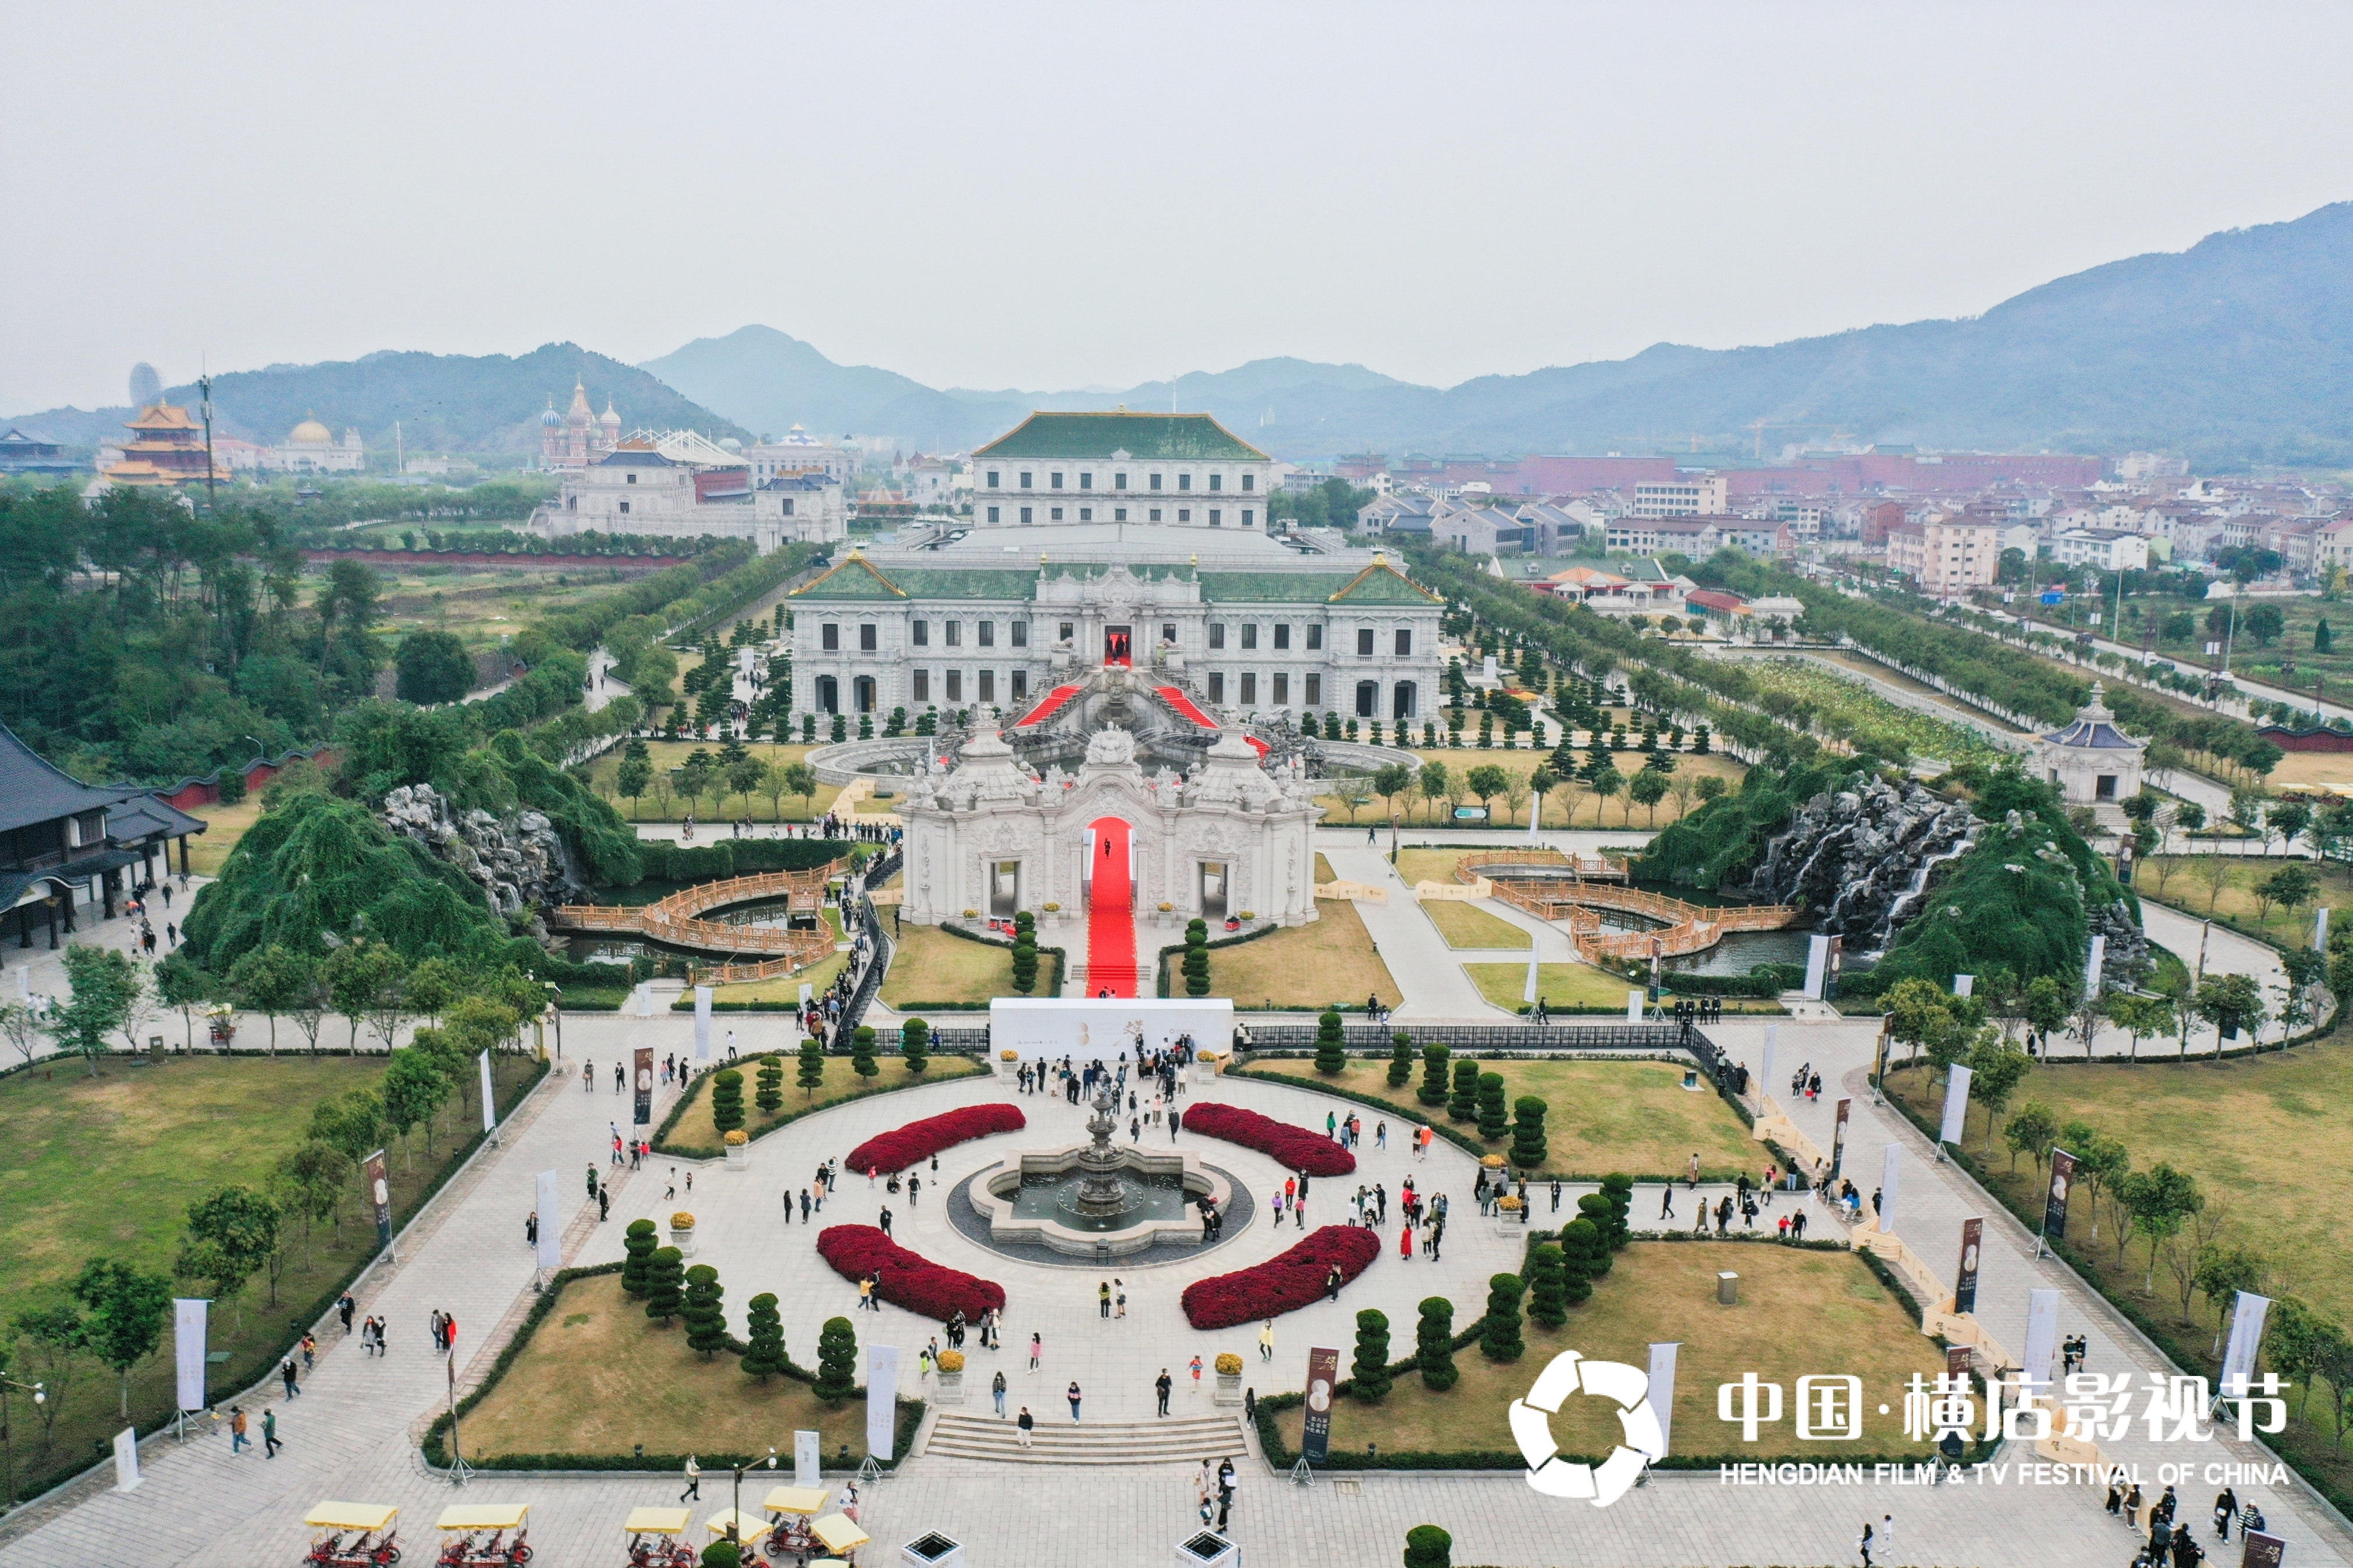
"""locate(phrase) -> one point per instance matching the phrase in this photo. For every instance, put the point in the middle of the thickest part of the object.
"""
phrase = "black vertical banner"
(643, 1115)
(2054, 1205)
(1838, 1136)
(1965, 1286)
(1315, 1433)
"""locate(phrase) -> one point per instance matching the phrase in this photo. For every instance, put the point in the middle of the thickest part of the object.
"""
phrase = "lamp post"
(735, 1509)
(40, 1392)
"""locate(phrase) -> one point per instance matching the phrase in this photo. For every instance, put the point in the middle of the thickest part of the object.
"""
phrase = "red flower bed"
(1293, 1148)
(918, 1141)
(909, 1280)
(1282, 1284)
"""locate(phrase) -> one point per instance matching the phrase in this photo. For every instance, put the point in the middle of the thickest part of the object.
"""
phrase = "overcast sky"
(1046, 196)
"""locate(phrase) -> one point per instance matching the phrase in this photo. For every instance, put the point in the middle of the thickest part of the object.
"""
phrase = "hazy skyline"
(1049, 196)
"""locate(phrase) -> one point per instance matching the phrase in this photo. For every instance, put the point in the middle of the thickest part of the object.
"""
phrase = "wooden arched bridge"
(677, 920)
(1553, 886)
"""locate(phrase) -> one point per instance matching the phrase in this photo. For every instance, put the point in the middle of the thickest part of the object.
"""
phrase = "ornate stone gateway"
(1229, 837)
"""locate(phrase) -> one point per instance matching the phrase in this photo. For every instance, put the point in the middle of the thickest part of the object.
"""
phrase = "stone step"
(1175, 1440)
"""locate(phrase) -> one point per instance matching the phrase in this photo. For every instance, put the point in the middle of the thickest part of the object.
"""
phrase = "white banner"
(1964, 985)
(1818, 965)
(1765, 1082)
(2247, 1316)
(1634, 1006)
(1663, 1395)
(1089, 1028)
(881, 1399)
(702, 1023)
(490, 1098)
(2041, 1337)
(1889, 1170)
(551, 1221)
(1956, 1107)
(2092, 966)
(807, 1458)
(188, 1349)
(126, 1459)
(2320, 929)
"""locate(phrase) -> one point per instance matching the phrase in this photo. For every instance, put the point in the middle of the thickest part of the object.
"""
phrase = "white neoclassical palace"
(1177, 471)
(992, 838)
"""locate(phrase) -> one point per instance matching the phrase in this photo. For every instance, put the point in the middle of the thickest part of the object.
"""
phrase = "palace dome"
(311, 431)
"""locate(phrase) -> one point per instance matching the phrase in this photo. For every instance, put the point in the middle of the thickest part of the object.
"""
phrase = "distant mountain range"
(455, 402)
(2239, 349)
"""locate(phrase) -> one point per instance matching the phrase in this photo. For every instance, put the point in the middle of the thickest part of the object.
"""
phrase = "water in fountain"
(1100, 1193)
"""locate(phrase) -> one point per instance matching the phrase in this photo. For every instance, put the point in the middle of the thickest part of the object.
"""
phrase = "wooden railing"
(676, 918)
(1487, 862)
(1685, 928)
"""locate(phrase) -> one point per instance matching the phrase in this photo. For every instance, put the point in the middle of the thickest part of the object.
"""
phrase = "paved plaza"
(353, 1432)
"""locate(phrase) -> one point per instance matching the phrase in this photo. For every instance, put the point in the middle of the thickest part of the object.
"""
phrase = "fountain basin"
(1034, 1198)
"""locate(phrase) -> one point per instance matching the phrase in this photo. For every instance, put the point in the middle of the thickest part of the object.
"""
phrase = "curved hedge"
(909, 1279)
(904, 1147)
(1283, 1284)
(1293, 1148)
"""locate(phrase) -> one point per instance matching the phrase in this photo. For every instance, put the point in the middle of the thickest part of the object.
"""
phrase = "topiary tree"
(1528, 1133)
(724, 1553)
(727, 1099)
(811, 1076)
(706, 1319)
(1331, 1043)
(1427, 1546)
(916, 1044)
(763, 1338)
(1594, 1209)
(862, 1051)
(1196, 966)
(1463, 1105)
(1584, 1254)
(665, 1275)
(1619, 1188)
(1400, 1059)
(1499, 1332)
(1370, 1372)
(638, 1241)
(1025, 963)
(837, 1360)
(770, 1097)
(1549, 1286)
(1433, 1091)
(1433, 1344)
(1492, 1123)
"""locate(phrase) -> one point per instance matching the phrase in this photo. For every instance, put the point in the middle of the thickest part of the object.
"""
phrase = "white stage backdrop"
(1086, 1028)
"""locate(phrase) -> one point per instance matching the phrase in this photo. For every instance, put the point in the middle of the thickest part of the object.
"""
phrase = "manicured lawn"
(932, 967)
(209, 850)
(2187, 882)
(1323, 872)
(1802, 1313)
(1467, 925)
(840, 1083)
(1599, 1117)
(667, 756)
(1333, 959)
(2266, 1139)
(107, 1168)
(601, 1377)
(1558, 810)
(1560, 986)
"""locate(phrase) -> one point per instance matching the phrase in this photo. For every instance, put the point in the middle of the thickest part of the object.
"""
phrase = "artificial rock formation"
(519, 860)
(1859, 859)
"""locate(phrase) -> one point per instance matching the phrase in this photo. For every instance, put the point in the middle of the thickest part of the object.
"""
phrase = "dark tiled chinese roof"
(33, 790)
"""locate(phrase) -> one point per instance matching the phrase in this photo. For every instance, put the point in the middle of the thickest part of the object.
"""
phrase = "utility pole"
(204, 387)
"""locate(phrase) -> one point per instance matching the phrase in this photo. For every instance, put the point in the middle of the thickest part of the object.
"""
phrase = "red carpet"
(1110, 923)
(1050, 705)
(1175, 697)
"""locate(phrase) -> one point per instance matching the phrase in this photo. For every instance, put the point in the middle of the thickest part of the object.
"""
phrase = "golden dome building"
(312, 448)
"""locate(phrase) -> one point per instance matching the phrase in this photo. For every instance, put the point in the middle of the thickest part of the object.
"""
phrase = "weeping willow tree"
(317, 866)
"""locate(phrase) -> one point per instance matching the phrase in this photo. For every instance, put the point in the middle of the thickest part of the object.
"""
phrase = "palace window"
(1217, 634)
(1024, 478)
(1020, 633)
(1086, 513)
(920, 632)
(1282, 690)
(1156, 514)
(1168, 631)
(1217, 481)
(1184, 481)
(992, 479)
(955, 633)
(1315, 636)
(1249, 517)
(1404, 643)
(1086, 481)
(624, 507)
(1313, 690)
(988, 686)
(1021, 684)
(1364, 642)
(1054, 514)
(988, 633)
(1066, 631)
(955, 685)
(1250, 688)
(1282, 634)
(922, 686)
(1217, 516)
(1216, 686)
(1053, 482)
(828, 638)
(1119, 514)
(1249, 634)
(1250, 481)
(1156, 481)
(992, 515)
(866, 638)
(1184, 514)
(1119, 482)
(1026, 517)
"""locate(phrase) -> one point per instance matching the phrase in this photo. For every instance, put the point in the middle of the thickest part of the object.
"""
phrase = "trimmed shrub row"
(910, 1145)
(1283, 1284)
(909, 1279)
(1293, 1148)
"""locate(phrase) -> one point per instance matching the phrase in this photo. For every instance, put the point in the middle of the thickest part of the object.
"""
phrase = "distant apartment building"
(1686, 495)
(1879, 520)
(1946, 555)
(2101, 548)
(1697, 537)
(2332, 546)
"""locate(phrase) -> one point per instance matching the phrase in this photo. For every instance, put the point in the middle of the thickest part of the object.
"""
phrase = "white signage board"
(1087, 1028)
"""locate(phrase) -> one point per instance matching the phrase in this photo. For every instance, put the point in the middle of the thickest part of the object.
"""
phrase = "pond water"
(1741, 950)
(760, 914)
(1049, 1195)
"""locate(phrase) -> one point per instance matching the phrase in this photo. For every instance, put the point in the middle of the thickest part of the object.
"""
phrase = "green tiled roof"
(858, 578)
(1146, 437)
(1379, 584)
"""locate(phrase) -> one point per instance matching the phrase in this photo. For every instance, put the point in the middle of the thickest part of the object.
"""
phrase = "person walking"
(1692, 1179)
(886, 1222)
(1037, 1350)
(997, 1391)
(236, 1437)
(269, 1443)
(694, 1481)
(1863, 1546)
(1266, 1341)
(1119, 1297)
(1072, 1396)
(1160, 1387)
(1027, 1422)
(1332, 1283)
(345, 1308)
(865, 1291)
(1102, 1298)
(1196, 1371)
(285, 1376)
